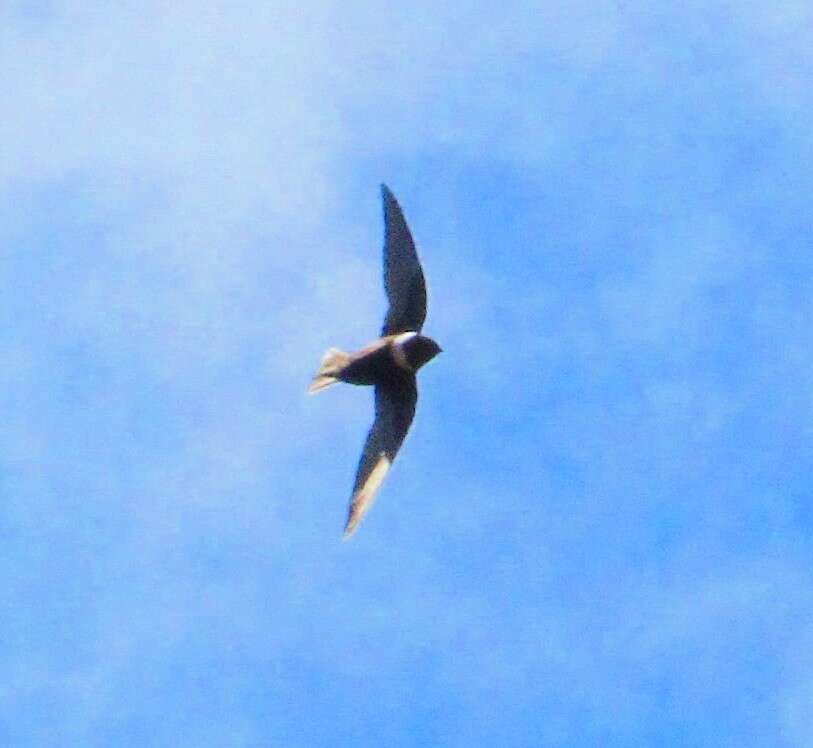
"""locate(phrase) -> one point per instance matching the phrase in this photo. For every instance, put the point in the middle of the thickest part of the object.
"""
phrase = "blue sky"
(599, 530)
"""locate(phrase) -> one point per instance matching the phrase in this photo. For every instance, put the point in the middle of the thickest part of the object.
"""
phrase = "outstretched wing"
(394, 410)
(403, 276)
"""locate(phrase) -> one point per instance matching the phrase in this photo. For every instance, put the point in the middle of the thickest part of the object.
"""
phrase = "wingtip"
(363, 499)
(355, 513)
(350, 527)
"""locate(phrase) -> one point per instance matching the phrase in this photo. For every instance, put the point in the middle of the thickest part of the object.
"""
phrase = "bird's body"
(389, 358)
(388, 363)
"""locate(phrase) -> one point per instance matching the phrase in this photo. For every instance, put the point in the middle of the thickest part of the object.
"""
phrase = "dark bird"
(389, 364)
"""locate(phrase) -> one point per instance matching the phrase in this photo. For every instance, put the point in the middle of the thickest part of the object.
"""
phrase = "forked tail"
(333, 362)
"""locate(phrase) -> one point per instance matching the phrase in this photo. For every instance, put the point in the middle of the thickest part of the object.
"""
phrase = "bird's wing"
(394, 409)
(403, 276)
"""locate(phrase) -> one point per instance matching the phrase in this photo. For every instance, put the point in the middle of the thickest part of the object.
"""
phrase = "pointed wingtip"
(357, 510)
(364, 498)
(350, 526)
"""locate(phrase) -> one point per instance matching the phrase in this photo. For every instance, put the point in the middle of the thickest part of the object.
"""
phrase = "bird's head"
(419, 350)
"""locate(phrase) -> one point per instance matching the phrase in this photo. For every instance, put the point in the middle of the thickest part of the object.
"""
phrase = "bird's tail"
(333, 362)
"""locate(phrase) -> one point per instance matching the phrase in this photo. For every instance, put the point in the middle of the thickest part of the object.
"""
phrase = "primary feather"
(403, 276)
(394, 410)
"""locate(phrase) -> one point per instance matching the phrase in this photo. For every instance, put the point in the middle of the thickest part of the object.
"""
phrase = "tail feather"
(321, 382)
(333, 362)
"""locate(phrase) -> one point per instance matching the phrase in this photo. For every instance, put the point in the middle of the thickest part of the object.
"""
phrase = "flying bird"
(389, 364)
